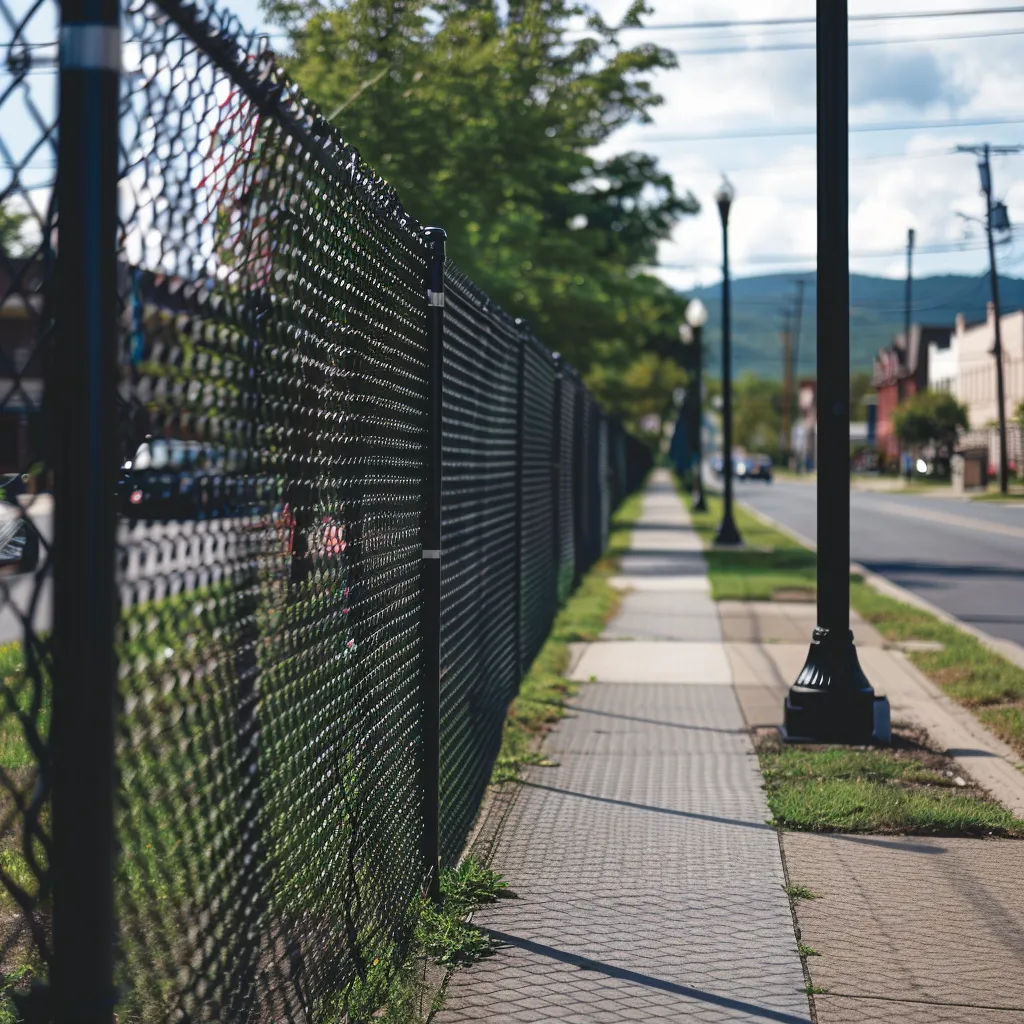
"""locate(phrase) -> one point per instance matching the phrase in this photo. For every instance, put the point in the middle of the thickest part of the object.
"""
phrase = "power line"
(789, 47)
(883, 16)
(880, 126)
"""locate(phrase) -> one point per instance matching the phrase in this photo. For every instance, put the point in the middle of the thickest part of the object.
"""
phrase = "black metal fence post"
(520, 463)
(556, 479)
(84, 456)
(431, 570)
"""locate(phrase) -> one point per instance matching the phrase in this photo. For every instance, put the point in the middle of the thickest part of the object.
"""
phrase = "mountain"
(876, 314)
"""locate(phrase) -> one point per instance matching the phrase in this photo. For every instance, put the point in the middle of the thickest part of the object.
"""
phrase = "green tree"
(931, 417)
(488, 125)
(757, 416)
(12, 227)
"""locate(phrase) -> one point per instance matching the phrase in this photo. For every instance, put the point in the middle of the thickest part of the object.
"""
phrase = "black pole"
(727, 532)
(997, 348)
(699, 504)
(832, 699)
(431, 567)
(85, 463)
(556, 479)
(519, 481)
(909, 289)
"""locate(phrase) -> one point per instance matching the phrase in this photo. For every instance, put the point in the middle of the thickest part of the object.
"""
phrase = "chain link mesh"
(272, 410)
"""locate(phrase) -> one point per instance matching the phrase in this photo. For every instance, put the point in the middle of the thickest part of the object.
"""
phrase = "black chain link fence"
(271, 366)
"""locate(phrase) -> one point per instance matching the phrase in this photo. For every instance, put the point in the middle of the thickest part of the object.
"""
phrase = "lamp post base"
(728, 535)
(832, 700)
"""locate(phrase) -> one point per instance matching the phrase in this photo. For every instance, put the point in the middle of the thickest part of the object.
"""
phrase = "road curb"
(1007, 649)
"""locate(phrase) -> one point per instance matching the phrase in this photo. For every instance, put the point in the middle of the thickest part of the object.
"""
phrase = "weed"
(801, 892)
(804, 950)
(815, 990)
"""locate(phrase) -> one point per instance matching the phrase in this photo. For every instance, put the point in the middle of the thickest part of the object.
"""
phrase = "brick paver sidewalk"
(649, 886)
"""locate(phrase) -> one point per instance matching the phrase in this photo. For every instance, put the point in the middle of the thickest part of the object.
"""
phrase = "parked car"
(169, 478)
(753, 467)
(746, 467)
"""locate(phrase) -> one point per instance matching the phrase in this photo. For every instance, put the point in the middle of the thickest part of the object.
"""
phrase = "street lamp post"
(832, 700)
(696, 318)
(727, 532)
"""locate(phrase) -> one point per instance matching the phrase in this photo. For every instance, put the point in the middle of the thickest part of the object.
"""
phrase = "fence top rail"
(251, 64)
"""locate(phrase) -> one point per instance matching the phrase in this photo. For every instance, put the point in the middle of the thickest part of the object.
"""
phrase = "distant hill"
(876, 314)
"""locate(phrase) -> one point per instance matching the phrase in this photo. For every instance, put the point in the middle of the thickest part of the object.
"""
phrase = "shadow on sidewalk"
(634, 977)
(648, 807)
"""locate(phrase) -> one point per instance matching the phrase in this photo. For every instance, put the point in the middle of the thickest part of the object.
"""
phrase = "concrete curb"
(1007, 649)
(992, 763)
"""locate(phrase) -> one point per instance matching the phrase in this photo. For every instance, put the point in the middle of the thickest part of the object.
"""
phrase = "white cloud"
(898, 179)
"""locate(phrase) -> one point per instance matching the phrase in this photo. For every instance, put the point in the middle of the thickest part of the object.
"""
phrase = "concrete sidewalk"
(649, 885)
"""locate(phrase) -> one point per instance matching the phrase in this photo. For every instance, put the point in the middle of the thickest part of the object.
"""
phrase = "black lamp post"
(727, 532)
(692, 333)
(832, 700)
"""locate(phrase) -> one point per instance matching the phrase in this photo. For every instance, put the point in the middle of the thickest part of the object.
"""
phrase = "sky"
(741, 102)
(899, 179)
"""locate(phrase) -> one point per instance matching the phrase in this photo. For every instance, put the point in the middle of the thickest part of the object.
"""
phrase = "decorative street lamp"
(692, 333)
(832, 700)
(727, 532)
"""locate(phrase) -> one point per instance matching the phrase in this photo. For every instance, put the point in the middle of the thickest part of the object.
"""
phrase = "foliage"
(931, 417)
(488, 125)
(12, 231)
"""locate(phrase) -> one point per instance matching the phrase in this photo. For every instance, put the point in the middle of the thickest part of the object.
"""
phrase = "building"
(967, 368)
(901, 371)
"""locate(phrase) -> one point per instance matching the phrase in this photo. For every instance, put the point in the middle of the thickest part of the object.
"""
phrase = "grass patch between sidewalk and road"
(544, 690)
(965, 669)
(905, 789)
(769, 562)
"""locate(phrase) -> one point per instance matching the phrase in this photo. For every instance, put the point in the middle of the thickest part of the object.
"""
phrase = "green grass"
(768, 563)
(966, 669)
(839, 789)
(801, 892)
(543, 692)
(1015, 493)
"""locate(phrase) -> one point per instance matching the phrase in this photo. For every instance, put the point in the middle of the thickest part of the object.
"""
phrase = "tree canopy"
(931, 417)
(494, 127)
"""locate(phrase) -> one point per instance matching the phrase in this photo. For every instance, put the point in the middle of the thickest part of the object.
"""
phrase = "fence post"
(556, 479)
(520, 479)
(431, 568)
(83, 450)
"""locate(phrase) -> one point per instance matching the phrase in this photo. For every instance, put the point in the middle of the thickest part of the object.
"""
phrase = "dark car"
(753, 467)
(173, 479)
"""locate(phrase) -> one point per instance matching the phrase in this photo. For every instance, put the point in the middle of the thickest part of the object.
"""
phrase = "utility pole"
(996, 219)
(909, 290)
(797, 324)
(787, 382)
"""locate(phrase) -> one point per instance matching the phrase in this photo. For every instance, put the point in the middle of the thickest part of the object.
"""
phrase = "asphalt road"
(965, 557)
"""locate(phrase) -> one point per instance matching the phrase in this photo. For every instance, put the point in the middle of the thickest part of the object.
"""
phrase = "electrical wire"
(880, 126)
(790, 47)
(881, 16)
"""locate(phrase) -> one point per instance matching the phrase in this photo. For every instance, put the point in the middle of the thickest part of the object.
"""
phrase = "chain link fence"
(221, 416)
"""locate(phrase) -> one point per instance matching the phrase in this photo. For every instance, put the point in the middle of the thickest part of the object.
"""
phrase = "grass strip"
(901, 790)
(544, 691)
(968, 671)
(769, 562)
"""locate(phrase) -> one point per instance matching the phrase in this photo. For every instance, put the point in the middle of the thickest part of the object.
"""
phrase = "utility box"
(970, 470)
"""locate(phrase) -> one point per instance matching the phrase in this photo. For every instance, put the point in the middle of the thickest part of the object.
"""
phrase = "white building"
(967, 367)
